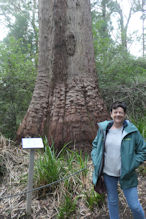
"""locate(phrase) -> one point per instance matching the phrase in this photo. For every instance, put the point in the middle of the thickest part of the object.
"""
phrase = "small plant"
(48, 168)
(67, 208)
(142, 170)
(82, 162)
(70, 159)
(94, 199)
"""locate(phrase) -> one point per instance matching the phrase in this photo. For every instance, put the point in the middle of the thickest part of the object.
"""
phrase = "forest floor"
(15, 163)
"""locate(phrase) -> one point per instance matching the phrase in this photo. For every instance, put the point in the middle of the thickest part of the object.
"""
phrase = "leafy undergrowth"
(72, 197)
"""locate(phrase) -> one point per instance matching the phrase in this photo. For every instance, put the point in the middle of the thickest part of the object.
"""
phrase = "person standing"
(117, 150)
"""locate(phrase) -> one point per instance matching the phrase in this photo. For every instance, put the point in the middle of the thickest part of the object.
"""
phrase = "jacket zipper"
(102, 159)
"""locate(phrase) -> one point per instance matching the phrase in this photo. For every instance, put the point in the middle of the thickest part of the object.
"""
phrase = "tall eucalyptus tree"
(66, 103)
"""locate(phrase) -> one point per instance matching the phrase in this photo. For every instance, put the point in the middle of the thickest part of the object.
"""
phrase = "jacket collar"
(128, 127)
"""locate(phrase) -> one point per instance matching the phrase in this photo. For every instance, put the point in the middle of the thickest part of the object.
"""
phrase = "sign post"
(32, 144)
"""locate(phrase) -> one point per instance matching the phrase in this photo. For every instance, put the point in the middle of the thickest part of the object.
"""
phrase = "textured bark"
(66, 103)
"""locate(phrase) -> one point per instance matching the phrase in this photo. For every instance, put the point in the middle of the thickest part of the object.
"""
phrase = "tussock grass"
(50, 166)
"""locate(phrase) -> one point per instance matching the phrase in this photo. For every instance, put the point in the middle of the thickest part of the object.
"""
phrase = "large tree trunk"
(66, 103)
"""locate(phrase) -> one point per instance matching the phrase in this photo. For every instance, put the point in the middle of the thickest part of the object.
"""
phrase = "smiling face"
(118, 115)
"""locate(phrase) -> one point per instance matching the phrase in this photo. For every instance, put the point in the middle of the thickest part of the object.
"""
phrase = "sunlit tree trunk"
(66, 103)
(124, 28)
(104, 16)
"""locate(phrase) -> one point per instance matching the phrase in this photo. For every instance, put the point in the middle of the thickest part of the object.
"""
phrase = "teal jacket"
(133, 152)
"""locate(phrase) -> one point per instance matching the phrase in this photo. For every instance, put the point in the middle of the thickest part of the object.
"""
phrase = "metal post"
(30, 181)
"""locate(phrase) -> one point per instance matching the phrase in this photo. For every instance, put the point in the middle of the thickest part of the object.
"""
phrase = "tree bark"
(66, 103)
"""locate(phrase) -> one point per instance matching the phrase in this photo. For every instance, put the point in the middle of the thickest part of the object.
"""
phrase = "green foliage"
(48, 168)
(21, 19)
(17, 74)
(121, 76)
(94, 199)
(18, 58)
(82, 162)
(70, 159)
(102, 40)
(141, 125)
(75, 161)
(142, 170)
(67, 208)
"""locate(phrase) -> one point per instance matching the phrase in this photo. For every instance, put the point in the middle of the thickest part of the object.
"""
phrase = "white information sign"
(32, 143)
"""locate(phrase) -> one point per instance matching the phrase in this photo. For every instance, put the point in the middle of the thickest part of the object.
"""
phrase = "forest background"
(121, 75)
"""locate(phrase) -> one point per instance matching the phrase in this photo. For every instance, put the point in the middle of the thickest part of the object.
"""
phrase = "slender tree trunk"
(104, 16)
(123, 31)
(66, 103)
(35, 31)
(123, 27)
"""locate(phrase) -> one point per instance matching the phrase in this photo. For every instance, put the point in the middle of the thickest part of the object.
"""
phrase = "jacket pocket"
(129, 164)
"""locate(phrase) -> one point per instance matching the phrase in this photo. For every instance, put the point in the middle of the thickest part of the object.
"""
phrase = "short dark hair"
(117, 104)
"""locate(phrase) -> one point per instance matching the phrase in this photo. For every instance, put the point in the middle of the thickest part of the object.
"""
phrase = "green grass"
(48, 168)
(67, 208)
(94, 199)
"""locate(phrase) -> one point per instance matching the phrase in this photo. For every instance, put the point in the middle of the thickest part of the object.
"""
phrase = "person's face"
(118, 115)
